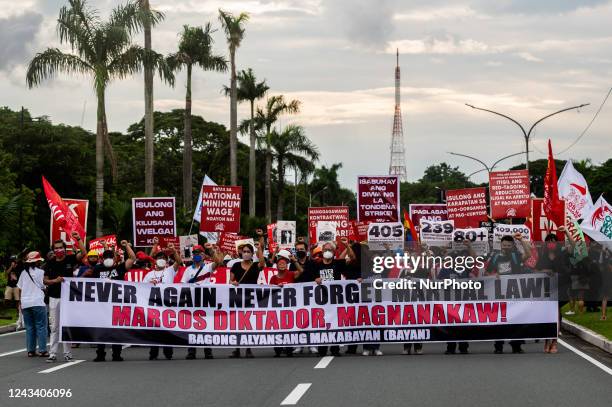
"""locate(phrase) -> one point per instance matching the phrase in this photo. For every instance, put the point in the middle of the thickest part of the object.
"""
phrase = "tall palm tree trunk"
(268, 182)
(187, 148)
(233, 120)
(100, 136)
(252, 162)
(280, 203)
(148, 94)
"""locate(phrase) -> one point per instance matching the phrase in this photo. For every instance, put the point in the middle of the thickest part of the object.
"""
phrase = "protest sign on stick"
(153, 217)
(378, 199)
(428, 212)
(467, 207)
(338, 214)
(509, 193)
(220, 209)
(437, 233)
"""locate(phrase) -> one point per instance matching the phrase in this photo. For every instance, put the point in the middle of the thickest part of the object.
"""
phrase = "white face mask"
(108, 262)
(328, 255)
(161, 263)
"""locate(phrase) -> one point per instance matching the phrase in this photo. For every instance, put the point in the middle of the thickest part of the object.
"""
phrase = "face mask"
(247, 256)
(197, 258)
(328, 255)
(109, 262)
(551, 246)
(161, 263)
(300, 254)
(59, 252)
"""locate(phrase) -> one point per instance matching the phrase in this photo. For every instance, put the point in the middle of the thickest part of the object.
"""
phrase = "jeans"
(54, 321)
(35, 320)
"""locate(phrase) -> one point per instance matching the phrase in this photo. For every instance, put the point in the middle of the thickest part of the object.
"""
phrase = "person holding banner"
(282, 277)
(163, 273)
(33, 305)
(113, 268)
(330, 269)
(200, 272)
(509, 261)
(247, 271)
(63, 265)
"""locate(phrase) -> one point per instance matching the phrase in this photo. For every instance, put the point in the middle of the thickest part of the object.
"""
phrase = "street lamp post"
(486, 167)
(310, 195)
(527, 134)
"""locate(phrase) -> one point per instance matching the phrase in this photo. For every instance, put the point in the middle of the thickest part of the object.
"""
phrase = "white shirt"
(165, 276)
(192, 270)
(32, 294)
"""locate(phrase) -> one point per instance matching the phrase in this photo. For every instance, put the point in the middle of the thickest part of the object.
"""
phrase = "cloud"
(17, 32)
(447, 44)
(535, 7)
(438, 13)
(528, 57)
(365, 22)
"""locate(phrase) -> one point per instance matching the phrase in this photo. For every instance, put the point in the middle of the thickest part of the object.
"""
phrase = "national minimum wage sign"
(307, 314)
(378, 199)
(220, 209)
(509, 194)
(153, 217)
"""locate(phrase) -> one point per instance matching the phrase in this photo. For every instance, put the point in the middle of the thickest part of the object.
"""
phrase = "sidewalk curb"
(8, 328)
(587, 335)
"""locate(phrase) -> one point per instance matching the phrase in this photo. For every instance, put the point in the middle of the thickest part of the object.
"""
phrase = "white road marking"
(325, 360)
(13, 333)
(63, 365)
(13, 352)
(296, 394)
(587, 357)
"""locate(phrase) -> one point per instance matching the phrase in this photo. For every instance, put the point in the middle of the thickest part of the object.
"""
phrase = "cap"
(283, 254)
(108, 254)
(197, 248)
(92, 253)
(33, 257)
(317, 250)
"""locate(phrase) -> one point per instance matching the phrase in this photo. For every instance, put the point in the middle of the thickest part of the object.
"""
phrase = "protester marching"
(494, 264)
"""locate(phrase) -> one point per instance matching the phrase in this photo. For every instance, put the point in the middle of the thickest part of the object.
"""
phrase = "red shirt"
(288, 278)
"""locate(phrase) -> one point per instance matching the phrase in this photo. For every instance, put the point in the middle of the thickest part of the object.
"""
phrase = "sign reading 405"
(388, 236)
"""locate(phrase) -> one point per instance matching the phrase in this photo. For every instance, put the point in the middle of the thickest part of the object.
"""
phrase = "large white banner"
(337, 312)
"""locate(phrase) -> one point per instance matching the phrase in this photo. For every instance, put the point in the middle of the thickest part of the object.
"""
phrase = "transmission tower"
(397, 165)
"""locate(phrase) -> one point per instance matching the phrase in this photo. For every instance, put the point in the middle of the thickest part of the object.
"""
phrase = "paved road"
(432, 379)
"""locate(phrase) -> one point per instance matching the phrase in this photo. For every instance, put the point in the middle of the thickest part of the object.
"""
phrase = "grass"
(8, 316)
(591, 321)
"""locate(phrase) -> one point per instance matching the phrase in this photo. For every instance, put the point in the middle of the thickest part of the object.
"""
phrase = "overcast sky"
(524, 58)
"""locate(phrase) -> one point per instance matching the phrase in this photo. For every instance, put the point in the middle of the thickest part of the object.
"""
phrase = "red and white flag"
(60, 211)
(573, 189)
(553, 206)
(597, 223)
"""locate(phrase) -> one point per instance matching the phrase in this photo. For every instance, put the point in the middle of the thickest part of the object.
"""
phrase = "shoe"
(190, 356)
(498, 351)
(52, 359)
(298, 350)
(100, 359)
(43, 354)
(418, 351)
(31, 354)
(313, 349)
(169, 357)
(249, 354)
(553, 347)
(152, 357)
(366, 353)
(406, 352)
(117, 359)
(464, 352)
(570, 313)
(518, 350)
(68, 358)
(235, 354)
(378, 352)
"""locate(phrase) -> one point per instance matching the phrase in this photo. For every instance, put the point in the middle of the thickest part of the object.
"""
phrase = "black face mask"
(300, 254)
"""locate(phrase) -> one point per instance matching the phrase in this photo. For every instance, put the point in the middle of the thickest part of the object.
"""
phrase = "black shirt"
(56, 268)
(243, 276)
(502, 263)
(116, 272)
(13, 275)
(328, 272)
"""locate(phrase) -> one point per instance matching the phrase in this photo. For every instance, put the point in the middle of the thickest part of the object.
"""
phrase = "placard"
(428, 212)
(386, 236)
(221, 208)
(500, 230)
(509, 193)
(338, 214)
(378, 199)
(326, 231)
(467, 207)
(186, 243)
(285, 234)
(96, 244)
(477, 237)
(153, 217)
(437, 233)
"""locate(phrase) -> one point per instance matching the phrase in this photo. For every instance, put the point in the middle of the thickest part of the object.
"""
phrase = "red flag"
(60, 211)
(553, 207)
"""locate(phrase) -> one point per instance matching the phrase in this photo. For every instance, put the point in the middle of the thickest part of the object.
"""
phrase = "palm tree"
(195, 48)
(264, 120)
(251, 90)
(102, 50)
(148, 18)
(291, 148)
(234, 31)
